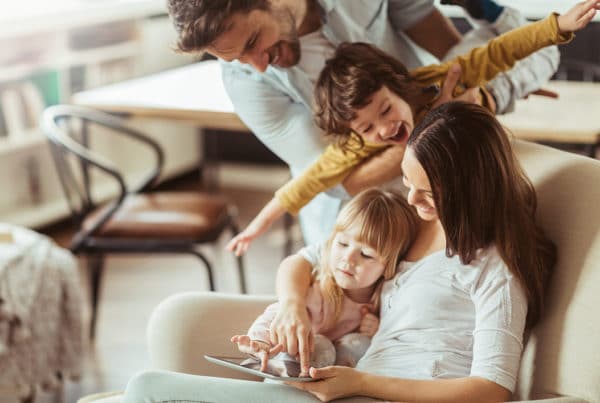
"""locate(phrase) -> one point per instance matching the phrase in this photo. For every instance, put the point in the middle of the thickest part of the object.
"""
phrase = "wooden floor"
(134, 285)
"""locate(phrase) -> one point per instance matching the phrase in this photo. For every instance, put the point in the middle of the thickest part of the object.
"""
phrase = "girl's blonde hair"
(387, 224)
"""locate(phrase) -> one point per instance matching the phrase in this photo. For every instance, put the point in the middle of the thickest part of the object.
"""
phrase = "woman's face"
(419, 189)
(387, 119)
(355, 265)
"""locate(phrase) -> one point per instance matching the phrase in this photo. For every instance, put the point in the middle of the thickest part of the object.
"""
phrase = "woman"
(452, 319)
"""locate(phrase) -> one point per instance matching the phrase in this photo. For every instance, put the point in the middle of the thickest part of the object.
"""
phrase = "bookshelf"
(53, 52)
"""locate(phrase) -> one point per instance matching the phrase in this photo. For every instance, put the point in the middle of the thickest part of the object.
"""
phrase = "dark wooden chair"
(136, 220)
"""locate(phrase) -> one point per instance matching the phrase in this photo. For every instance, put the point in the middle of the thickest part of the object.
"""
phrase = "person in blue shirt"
(273, 50)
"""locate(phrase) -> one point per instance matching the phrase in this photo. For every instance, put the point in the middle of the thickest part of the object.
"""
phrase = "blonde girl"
(371, 235)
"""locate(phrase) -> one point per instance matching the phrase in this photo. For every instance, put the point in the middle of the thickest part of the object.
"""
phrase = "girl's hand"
(256, 348)
(292, 330)
(578, 16)
(336, 382)
(369, 324)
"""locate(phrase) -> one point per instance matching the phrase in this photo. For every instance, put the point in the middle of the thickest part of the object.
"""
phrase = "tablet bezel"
(221, 360)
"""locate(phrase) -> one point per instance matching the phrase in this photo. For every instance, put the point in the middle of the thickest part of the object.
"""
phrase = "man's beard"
(289, 39)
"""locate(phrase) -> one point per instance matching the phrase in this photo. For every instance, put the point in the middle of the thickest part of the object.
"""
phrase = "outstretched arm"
(258, 226)
(500, 54)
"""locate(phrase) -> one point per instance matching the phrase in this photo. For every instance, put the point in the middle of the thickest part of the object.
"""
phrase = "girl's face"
(355, 265)
(419, 188)
(387, 119)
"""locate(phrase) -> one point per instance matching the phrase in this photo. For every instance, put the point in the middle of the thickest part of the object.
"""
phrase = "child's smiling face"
(387, 119)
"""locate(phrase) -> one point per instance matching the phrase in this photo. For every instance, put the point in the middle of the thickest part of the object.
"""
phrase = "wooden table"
(572, 119)
(194, 94)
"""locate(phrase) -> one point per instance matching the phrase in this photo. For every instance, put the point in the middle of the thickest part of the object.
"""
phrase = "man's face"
(260, 38)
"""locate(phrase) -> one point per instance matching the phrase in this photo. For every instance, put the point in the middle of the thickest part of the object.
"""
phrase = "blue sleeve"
(284, 126)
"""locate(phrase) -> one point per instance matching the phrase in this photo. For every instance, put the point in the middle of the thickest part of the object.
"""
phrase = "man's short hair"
(200, 22)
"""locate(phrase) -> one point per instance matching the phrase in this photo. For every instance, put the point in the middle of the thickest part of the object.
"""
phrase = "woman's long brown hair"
(482, 195)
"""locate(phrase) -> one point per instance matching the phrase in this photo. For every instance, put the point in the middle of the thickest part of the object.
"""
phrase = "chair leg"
(209, 271)
(95, 266)
(240, 262)
(288, 223)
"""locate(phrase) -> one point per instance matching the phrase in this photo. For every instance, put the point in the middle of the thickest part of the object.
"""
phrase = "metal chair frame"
(81, 203)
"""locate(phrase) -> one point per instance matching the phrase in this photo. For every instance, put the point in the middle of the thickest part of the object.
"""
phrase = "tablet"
(277, 369)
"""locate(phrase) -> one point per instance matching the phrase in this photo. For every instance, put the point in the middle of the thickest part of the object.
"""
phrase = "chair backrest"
(562, 356)
(572, 69)
(68, 128)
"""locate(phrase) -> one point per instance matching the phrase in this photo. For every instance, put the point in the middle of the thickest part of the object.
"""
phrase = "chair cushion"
(164, 215)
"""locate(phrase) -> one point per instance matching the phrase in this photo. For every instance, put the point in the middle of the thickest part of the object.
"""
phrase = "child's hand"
(369, 322)
(578, 16)
(241, 242)
(259, 225)
(256, 348)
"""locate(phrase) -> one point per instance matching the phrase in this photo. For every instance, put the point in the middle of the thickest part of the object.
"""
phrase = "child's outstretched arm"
(500, 54)
(578, 16)
(258, 226)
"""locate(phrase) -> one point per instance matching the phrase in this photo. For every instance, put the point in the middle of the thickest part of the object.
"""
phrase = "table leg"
(209, 159)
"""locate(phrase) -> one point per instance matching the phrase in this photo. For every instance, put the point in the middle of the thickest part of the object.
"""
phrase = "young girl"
(369, 101)
(371, 235)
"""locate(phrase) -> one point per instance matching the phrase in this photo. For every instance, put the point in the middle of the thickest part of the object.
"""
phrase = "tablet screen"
(276, 368)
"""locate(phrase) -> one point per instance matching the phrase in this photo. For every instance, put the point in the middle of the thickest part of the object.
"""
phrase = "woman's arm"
(291, 327)
(343, 381)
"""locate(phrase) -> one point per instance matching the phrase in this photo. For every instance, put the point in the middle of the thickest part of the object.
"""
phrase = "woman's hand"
(335, 382)
(256, 348)
(578, 16)
(369, 324)
(292, 330)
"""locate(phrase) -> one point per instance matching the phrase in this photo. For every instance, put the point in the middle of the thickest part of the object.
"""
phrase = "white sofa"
(561, 361)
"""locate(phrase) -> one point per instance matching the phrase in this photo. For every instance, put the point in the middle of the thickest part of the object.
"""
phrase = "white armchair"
(561, 361)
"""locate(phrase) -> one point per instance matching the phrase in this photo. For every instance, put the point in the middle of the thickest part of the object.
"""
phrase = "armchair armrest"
(562, 399)
(185, 327)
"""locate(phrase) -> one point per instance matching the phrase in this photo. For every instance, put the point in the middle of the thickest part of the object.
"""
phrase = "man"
(273, 51)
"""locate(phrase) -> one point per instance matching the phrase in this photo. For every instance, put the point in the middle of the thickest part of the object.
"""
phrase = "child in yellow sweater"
(369, 101)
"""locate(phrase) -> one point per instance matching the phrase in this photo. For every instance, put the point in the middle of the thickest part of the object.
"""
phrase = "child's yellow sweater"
(478, 67)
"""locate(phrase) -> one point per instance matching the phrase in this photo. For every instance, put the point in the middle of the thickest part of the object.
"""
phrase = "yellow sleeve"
(329, 170)
(501, 53)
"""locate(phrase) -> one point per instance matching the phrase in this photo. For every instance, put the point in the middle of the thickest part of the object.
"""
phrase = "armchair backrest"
(562, 355)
